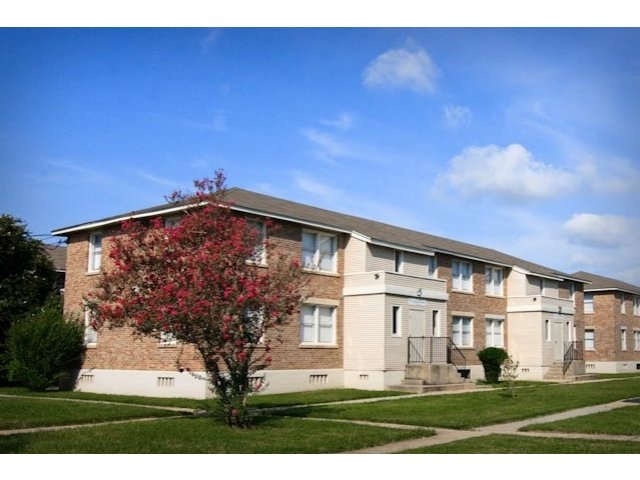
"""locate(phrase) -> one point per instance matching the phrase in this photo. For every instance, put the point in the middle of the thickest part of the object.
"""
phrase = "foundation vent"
(364, 377)
(85, 379)
(590, 366)
(316, 379)
(166, 382)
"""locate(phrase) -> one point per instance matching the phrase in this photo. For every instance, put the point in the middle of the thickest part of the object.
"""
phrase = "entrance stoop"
(423, 377)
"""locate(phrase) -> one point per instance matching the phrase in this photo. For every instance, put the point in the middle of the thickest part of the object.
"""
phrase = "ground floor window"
(318, 325)
(623, 338)
(90, 333)
(494, 328)
(589, 339)
(461, 332)
(636, 339)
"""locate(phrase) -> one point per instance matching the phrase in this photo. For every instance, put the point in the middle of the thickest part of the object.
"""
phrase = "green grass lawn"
(621, 421)
(518, 444)
(17, 413)
(469, 410)
(197, 435)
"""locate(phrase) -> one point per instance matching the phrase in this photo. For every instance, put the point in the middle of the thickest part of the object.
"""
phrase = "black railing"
(572, 351)
(435, 350)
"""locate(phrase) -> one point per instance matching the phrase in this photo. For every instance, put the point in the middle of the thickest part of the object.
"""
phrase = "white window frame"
(460, 281)
(260, 252)
(167, 339)
(312, 258)
(547, 330)
(623, 301)
(636, 340)
(258, 317)
(588, 302)
(494, 329)
(636, 305)
(398, 261)
(90, 336)
(623, 338)
(458, 331)
(432, 266)
(494, 281)
(396, 321)
(95, 252)
(590, 339)
(314, 326)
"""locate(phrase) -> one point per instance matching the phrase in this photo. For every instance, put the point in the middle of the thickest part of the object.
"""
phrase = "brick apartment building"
(612, 325)
(385, 301)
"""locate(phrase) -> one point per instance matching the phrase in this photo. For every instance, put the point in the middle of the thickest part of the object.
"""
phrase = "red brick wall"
(120, 349)
(476, 302)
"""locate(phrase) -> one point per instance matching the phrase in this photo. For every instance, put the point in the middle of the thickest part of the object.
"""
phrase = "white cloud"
(601, 230)
(344, 121)
(316, 188)
(401, 68)
(328, 146)
(510, 171)
(456, 115)
(210, 39)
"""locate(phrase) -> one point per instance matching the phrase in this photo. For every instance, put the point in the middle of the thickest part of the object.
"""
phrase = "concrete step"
(433, 388)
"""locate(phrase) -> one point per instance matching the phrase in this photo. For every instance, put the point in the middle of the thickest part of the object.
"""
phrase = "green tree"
(27, 275)
(41, 349)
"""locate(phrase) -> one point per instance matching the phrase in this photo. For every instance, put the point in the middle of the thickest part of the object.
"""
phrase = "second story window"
(431, 267)
(259, 254)
(588, 303)
(493, 281)
(95, 252)
(319, 251)
(636, 305)
(398, 266)
(623, 299)
(461, 276)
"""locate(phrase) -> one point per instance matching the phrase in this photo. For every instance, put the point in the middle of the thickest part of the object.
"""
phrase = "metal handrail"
(435, 350)
(572, 351)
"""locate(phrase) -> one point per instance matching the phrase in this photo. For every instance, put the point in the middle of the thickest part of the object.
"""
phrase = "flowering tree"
(204, 282)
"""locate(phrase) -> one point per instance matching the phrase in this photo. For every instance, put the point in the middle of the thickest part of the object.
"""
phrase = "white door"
(558, 344)
(416, 323)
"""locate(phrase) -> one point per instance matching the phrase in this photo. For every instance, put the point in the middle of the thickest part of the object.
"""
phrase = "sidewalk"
(446, 435)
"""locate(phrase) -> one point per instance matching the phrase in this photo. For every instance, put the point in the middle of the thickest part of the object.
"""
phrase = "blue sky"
(519, 139)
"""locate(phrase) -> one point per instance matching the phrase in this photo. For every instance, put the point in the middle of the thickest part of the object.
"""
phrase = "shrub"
(43, 348)
(492, 358)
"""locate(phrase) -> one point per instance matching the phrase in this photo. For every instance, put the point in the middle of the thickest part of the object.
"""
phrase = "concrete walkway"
(444, 435)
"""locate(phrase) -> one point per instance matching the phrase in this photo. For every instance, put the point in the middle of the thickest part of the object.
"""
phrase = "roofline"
(168, 209)
(609, 289)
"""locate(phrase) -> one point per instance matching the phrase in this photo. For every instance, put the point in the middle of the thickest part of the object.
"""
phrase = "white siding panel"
(355, 256)
(364, 332)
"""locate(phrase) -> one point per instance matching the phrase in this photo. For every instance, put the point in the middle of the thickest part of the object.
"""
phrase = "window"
(588, 303)
(396, 321)
(253, 321)
(623, 338)
(319, 251)
(259, 253)
(398, 261)
(90, 333)
(636, 340)
(461, 275)
(636, 305)
(167, 338)
(461, 332)
(432, 264)
(547, 330)
(318, 325)
(95, 251)
(623, 299)
(589, 339)
(172, 221)
(493, 281)
(494, 332)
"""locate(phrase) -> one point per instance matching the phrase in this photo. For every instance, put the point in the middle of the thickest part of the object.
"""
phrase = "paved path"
(444, 435)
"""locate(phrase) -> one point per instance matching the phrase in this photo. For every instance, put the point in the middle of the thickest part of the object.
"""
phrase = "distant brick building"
(612, 324)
